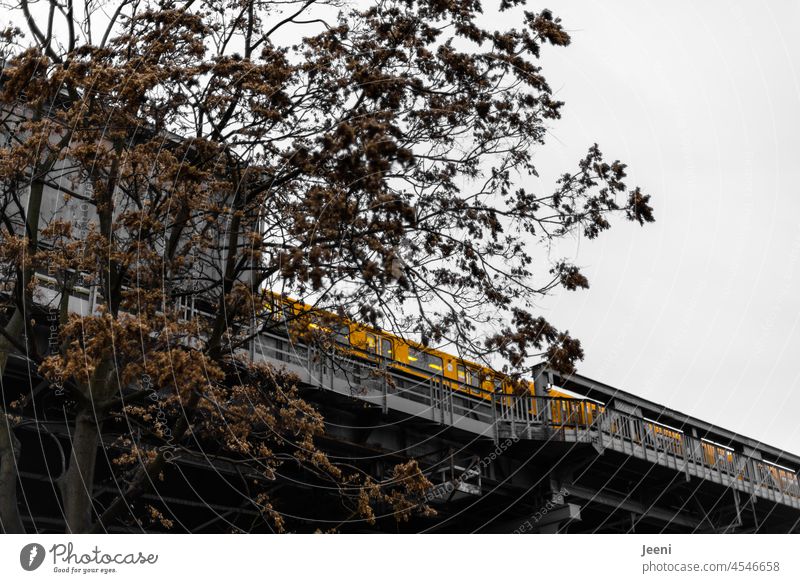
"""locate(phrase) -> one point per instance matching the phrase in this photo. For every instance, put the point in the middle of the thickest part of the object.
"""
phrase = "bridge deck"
(532, 417)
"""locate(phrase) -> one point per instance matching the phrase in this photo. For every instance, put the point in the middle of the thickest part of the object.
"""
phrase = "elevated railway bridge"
(605, 461)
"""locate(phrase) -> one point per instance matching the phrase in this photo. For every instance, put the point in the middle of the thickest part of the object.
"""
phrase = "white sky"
(698, 311)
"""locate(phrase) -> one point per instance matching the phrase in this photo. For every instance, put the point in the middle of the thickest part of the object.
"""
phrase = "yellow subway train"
(481, 382)
(366, 342)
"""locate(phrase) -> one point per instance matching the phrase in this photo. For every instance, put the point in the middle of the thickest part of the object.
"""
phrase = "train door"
(469, 380)
(379, 346)
(371, 344)
(342, 335)
(387, 349)
(492, 384)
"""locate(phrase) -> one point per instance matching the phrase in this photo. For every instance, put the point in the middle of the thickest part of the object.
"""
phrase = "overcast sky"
(698, 311)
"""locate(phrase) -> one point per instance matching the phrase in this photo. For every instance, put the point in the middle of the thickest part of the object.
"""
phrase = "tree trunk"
(15, 328)
(10, 521)
(77, 484)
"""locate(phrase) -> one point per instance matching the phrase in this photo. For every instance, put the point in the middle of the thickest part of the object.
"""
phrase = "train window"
(342, 335)
(281, 312)
(386, 348)
(274, 308)
(424, 360)
(468, 376)
(372, 343)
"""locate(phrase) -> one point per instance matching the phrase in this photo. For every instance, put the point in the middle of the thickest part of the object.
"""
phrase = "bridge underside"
(547, 485)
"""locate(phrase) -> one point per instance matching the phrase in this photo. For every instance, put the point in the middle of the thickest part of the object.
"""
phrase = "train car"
(413, 358)
(718, 456)
(356, 339)
(570, 410)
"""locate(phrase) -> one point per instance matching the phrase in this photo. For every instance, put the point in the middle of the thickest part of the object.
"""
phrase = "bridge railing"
(659, 438)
